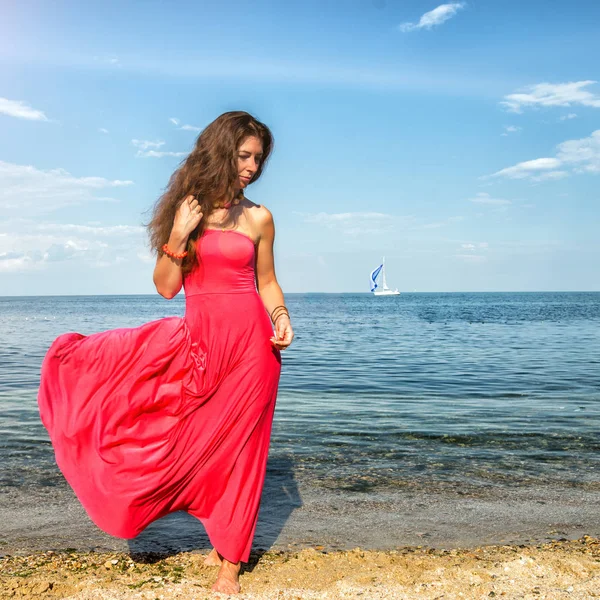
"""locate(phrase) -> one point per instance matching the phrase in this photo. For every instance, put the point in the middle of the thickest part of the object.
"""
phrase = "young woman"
(176, 414)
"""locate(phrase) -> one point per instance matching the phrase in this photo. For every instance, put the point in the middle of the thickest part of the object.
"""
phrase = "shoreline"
(558, 569)
(290, 519)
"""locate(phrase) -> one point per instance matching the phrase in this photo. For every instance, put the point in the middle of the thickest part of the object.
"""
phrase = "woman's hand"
(187, 217)
(284, 334)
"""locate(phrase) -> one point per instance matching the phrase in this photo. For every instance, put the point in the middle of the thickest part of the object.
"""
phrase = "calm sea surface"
(458, 391)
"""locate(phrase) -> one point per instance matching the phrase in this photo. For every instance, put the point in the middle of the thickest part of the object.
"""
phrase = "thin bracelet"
(172, 254)
(282, 311)
(281, 315)
(280, 306)
(279, 310)
(276, 314)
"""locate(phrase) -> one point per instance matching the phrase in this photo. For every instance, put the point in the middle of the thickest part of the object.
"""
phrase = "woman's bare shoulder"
(261, 216)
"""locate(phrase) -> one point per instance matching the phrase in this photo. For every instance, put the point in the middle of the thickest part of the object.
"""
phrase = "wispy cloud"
(484, 198)
(473, 253)
(29, 245)
(145, 144)
(20, 110)
(185, 127)
(23, 187)
(113, 61)
(434, 17)
(508, 129)
(548, 94)
(158, 154)
(538, 169)
(102, 130)
(87, 230)
(145, 151)
(568, 117)
(438, 224)
(581, 156)
(191, 128)
(354, 223)
(444, 77)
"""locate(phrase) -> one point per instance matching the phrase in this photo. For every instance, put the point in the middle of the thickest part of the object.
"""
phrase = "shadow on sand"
(180, 532)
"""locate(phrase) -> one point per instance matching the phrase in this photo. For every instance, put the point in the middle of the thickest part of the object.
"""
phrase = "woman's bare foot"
(228, 578)
(213, 559)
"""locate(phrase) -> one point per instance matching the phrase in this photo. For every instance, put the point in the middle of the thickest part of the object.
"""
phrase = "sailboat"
(385, 291)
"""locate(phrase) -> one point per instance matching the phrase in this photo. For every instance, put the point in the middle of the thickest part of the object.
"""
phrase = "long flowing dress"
(175, 414)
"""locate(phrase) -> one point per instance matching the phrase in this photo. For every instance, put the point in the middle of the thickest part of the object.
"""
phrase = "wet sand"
(302, 516)
(451, 544)
(567, 569)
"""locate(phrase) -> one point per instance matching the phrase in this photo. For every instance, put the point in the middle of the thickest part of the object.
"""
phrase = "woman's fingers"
(283, 338)
(191, 202)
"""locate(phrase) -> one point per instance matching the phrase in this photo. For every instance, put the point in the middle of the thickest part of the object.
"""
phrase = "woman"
(176, 414)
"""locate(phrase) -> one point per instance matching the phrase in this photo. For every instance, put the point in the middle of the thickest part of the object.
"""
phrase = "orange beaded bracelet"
(172, 254)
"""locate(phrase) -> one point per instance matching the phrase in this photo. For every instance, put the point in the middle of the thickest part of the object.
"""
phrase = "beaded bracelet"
(172, 254)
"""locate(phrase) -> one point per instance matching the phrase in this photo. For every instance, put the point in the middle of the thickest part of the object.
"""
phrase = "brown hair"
(209, 173)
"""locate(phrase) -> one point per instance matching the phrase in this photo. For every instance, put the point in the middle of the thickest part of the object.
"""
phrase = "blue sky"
(461, 140)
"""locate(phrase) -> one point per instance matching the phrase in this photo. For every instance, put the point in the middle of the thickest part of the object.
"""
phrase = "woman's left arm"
(268, 287)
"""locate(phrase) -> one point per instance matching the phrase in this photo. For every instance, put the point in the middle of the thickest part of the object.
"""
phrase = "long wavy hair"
(209, 173)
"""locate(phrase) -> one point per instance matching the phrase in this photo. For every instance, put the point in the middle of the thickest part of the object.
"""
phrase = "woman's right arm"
(168, 278)
(167, 272)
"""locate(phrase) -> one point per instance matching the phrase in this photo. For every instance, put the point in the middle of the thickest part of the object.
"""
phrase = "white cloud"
(144, 151)
(568, 117)
(102, 130)
(434, 225)
(472, 247)
(536, 170)
(327, 218)
(472, 258)
(472, 252)
(185, 127)
(155, 154)
(23, 187)
(438, 224)
(20, 110)
(29, 245)
(582, 156)
(145, 144)
(113, 61)
(87, 230)
(548, 94)
(191, 128)
(354, 223)
(484, 198)
(510, 129)
(434, 17)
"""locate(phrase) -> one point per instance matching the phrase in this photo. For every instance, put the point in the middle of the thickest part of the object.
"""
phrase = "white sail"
(385, 291)
(385, 285)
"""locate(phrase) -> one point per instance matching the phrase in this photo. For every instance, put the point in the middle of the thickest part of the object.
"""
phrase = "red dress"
(175, 414)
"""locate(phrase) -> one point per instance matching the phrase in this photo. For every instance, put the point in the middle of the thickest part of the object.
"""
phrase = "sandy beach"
(557, 569)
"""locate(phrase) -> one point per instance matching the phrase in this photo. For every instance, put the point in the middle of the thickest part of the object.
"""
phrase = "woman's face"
(249, 157)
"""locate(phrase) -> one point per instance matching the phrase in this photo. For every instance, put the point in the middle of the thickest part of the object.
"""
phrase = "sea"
(382, 400)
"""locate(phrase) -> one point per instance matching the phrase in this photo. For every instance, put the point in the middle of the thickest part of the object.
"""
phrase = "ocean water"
(462, 391)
